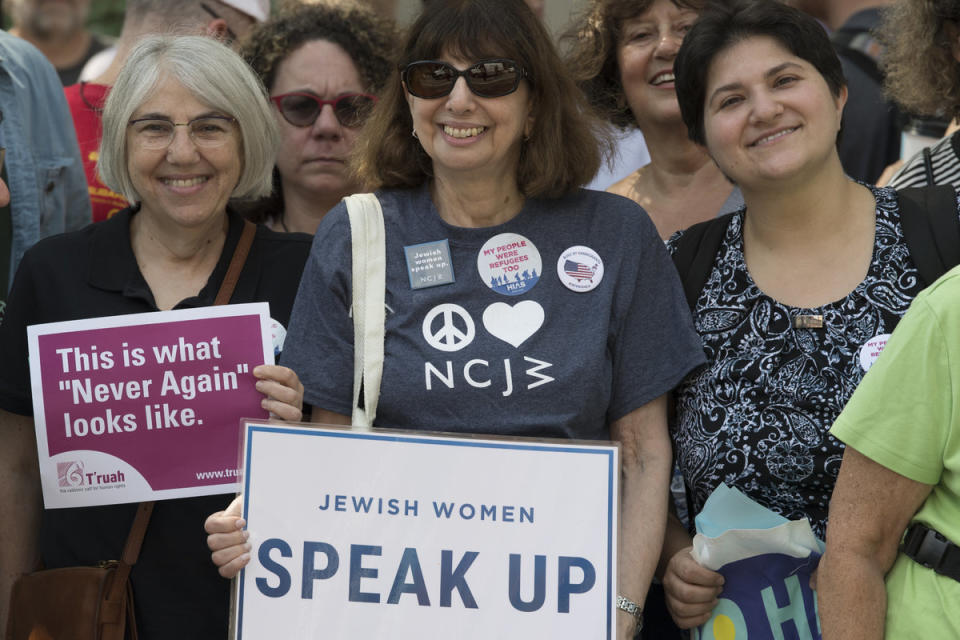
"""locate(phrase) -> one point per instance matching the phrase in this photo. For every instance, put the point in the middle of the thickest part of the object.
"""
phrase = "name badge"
(429, 264)
(808, 322)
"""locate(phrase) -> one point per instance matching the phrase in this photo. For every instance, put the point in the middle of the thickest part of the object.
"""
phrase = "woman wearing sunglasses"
(560, 313)
(323, 66)
(622, 54)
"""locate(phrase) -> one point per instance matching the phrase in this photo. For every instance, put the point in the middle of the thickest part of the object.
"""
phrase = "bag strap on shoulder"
(240, 254)
(138, 530)
(931, 229)
(369, 282)
(928, 166)
(696, 252)
(928, 215)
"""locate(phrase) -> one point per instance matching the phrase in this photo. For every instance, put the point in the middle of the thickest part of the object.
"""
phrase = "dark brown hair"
(565, 146)
(593, 40)
(723, 25)
(368, 39)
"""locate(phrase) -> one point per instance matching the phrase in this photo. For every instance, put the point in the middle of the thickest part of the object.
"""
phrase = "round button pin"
(509, 264)
(580, 269)
(872, 349)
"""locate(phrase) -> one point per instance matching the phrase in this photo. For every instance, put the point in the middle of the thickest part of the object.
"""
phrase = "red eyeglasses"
(303, 109)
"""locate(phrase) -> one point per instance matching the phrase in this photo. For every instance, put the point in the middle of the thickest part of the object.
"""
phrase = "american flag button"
(580, 269)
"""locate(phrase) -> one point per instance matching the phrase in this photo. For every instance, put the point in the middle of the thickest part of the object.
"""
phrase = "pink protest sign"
(145, 406)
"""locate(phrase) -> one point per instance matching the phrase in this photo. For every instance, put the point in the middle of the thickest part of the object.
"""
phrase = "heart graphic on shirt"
(513, 324)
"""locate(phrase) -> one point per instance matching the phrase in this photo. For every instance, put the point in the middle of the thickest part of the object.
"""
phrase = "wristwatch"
(631, 607)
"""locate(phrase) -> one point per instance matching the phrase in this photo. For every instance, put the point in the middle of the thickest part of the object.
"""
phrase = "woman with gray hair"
(187, 127)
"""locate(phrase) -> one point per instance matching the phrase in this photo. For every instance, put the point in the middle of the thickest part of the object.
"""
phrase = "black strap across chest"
(928, 215)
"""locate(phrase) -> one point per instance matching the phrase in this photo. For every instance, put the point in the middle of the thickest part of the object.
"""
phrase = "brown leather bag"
(96, 603)
(79, 603)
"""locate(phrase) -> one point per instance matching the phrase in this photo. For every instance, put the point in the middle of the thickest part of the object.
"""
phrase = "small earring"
(414, 133)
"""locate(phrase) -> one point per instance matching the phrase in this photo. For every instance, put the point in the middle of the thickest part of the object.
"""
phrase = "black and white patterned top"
(944, 161)
(756, 415)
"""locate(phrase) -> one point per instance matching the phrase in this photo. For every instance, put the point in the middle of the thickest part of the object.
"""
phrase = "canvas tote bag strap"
(369, 280)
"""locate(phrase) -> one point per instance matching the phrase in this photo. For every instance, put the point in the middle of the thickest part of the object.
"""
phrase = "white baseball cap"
(259, 10)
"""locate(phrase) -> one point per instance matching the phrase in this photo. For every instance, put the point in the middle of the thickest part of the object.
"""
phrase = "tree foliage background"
(106, 17)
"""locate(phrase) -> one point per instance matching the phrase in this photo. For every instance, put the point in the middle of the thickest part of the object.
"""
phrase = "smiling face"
(645, 52)
(182, 184)
(769, 115)
(466, 134)
(312, 159)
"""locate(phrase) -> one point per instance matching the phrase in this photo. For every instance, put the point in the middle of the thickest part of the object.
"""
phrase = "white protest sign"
(378, 534)
(145, 406)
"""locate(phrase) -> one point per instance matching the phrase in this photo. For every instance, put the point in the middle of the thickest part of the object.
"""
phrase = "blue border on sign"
(366, 435)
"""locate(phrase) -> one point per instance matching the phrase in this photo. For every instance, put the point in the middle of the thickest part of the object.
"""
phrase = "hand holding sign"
(228, 540)
(334, 550)
(148, 406)
(283, 391)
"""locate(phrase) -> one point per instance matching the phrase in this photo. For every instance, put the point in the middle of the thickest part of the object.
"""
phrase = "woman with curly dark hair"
(323, 66)
(622, 54)
(922, 65)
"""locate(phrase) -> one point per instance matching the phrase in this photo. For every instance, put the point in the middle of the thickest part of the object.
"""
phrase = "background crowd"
(747, 264)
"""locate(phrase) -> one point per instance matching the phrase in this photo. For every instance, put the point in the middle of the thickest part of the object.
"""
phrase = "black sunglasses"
(486, 79)
(303, 109)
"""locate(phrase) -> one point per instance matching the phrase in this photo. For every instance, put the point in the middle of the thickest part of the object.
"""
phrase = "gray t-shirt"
(558, 322)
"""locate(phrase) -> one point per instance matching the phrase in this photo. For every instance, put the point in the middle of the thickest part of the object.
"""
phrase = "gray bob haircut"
(217, 77)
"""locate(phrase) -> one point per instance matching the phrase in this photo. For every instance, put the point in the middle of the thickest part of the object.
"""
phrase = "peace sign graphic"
(451, 335)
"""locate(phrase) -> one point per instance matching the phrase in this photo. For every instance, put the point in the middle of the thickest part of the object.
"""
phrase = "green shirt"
(904, 416)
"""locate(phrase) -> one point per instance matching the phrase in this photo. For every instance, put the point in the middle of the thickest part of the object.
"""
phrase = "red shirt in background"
(86, 103)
